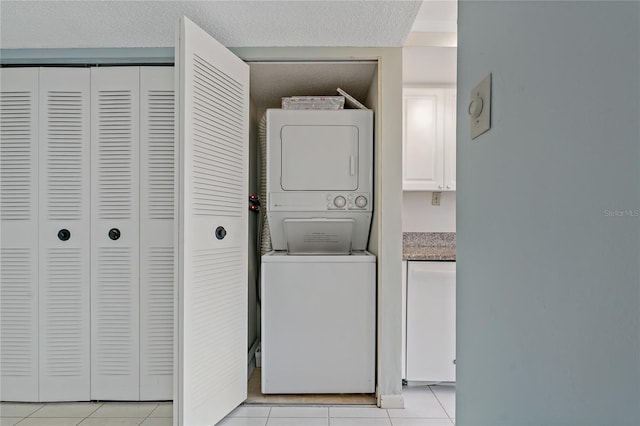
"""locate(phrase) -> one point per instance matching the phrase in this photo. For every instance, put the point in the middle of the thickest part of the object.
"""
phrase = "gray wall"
(548, 275)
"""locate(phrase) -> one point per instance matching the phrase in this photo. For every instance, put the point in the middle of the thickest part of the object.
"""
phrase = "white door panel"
(115, 109)
(157, 146)
(64, 234)
(211, 190)
(19, 234)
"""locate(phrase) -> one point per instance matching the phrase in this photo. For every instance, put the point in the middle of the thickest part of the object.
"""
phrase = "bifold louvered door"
(64, 234)
(87, 187)
(19, 234)
(156, 232)
(115, 289)
(211, 168)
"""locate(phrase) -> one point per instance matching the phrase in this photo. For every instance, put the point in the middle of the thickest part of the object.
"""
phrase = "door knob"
(114, 233)
(64, 234)
(220, 232)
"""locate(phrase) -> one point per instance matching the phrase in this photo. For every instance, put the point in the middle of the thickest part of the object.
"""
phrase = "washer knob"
(339, 201)
(361, 201)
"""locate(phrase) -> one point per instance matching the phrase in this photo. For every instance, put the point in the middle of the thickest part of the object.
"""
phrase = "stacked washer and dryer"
(318, 284)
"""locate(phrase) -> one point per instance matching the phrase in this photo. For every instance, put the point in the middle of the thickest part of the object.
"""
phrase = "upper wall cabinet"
(429, 139)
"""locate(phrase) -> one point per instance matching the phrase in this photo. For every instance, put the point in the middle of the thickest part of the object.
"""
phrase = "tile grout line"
(45, 404)
(268, 416)
(441, 405)
(91, 413)
(389, 416)
(38, 409)
(150, 412)
(87, 416)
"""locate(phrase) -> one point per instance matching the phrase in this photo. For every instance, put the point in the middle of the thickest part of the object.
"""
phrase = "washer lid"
(319, 236)
(319, 158)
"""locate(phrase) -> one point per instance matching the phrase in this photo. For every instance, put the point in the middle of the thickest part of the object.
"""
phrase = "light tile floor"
(424, 406)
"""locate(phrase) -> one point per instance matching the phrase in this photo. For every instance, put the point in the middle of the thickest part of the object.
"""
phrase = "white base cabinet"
(431, 321)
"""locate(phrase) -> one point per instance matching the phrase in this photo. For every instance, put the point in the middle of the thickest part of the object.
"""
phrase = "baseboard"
(391, 401)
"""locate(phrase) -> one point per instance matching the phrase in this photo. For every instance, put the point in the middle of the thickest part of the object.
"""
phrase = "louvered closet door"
(64, 234)
(19, 234)
(115, 110)
(156, 232)
(213, 111)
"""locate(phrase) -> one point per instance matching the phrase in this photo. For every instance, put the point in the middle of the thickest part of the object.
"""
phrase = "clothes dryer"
(319, 180)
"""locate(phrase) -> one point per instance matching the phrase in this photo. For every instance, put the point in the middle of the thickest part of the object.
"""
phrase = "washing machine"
(318, 323)
(318, 286)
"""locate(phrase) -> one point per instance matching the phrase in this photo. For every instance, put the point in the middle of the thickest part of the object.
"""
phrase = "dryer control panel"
(320, 201)
(348, 201)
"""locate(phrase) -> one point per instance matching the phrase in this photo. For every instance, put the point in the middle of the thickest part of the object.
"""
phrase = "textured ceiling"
(88, 24)
(437, 16)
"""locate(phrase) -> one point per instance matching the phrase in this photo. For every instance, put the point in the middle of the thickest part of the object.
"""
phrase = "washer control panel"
(348, 201)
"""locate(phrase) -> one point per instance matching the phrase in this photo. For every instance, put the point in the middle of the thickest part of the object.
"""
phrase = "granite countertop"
(429, 246)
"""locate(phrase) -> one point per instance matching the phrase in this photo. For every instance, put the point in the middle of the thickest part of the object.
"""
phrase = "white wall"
(548, 281)
(428, 66)
(419, 215)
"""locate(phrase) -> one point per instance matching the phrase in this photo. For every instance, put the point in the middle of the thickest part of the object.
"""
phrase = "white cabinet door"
(64, 230)
(156, 232)
(115, 355)
(450, 139)
(19, 234)
(423, 139)
(212, 228)
(429, 139)
(431, 321)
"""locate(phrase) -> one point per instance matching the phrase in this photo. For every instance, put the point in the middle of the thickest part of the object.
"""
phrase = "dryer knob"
(339, 201)
(361, 202)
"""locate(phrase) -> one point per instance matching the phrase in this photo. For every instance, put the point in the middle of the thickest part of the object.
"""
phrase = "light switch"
(480, 107)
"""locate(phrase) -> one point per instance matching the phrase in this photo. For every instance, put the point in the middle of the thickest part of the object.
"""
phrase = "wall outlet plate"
(435, 198)
(480, 107)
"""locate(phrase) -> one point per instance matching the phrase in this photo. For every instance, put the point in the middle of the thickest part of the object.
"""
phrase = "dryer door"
(319, 158)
